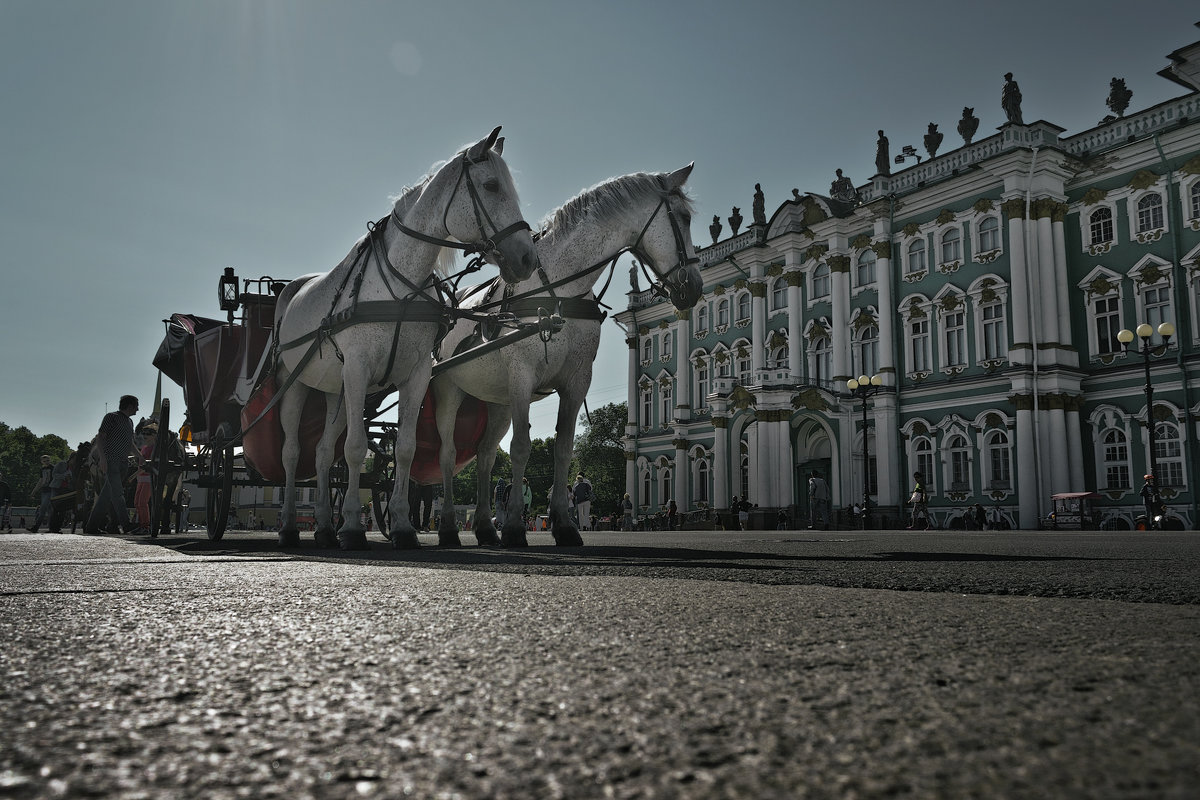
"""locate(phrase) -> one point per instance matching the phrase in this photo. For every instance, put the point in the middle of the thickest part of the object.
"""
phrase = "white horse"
(372, 322)
(647, 214)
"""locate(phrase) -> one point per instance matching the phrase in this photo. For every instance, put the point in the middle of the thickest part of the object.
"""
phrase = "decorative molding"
(945, 217)
(1101, 286)
(811, 400)
(1143, 179)
(1192, 167)
(758, 289)
(983, 205)
(1093, 196)
(838, 263)
(883, 249)
(794, 278)
(1043, 207)
(913, 277)
(949, 268)
(988, 257)
(1150, 236)
(643, 330)
(1013, 208)
(816, 252)
(663, 325)
(720, 422)
(718, 290)
(775, 270)
(861, 242)
(683, 314)
(911, 229)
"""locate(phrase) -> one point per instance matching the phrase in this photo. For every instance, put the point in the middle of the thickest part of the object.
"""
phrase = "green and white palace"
(987, 287)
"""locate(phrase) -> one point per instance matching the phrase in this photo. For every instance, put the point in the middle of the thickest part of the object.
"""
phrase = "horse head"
(667, 240)
(484, 208)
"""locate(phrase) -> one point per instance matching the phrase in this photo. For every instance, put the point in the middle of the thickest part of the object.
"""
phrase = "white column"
(795, 326)
(1075, 446)
(1027, 488)
(720, 462)
(1058, 451)
(631, 383)
(631, 482)
(887, 447)
(1021, 353)
(839, 274)
(683, 477)
(681, 331)
(1048, 279)
(784, 460)
(887, 313)
(758, 327)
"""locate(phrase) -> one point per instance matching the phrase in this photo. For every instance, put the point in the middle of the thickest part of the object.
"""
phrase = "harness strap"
(567, 307)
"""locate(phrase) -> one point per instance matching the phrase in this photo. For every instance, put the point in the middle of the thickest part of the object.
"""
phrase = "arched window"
(780, 358)
(779, 294)
(916, 256)
(743, 365)
(995, 330)
(960, 463)
(665, 487)
(722, 312)
(868, 350)
(647, 350)
(1150, 212)
(999, 466)
(702, 384)
(989, 234)
(647, 408)
(822, 359)
(923, 461)
(1168, 452)
(724, 363)
(954, 328)
(745, 474)
(1100, 224)
(702, 481)
(702, 317)
(821, 285)
(666, 344)
(951, 246)
(865, 274)
(644, 500)
(1116, 459)
(666, 410)
(743, 306)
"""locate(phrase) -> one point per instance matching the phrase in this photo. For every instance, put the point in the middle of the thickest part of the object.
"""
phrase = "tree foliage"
(20, 459)
(600, 454)
(464, 482)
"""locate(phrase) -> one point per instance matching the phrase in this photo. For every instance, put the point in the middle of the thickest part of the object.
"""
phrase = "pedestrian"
(920, 503)
(42, 492)
(1153, 502)
(583, 493)
(141, 499)
(743, 510)
(5, 505)
(114, 444)
(181, 511)
(527, 496)
(980, 517)
(818, 501)
(781, 520)
(61, 494)
(627, 512)
(672, 515)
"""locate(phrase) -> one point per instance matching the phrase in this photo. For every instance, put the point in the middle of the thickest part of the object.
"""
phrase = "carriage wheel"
(220, 490)
(158, 474)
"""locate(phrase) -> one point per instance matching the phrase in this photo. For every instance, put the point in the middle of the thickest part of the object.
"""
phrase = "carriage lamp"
(1144, 331)
(227, 292)
(862, 388)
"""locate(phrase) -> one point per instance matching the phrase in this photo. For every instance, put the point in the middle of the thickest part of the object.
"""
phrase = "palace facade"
(986, 286)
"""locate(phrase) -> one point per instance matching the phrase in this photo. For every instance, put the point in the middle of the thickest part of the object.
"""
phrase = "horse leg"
(352, 535)
(403, 534)
(497, 426)
(566, 533)
(334, 418)
(290, 408)
(447, 400)
(513, 532)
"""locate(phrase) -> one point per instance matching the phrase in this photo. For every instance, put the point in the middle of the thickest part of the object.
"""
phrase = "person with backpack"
(584, 494)
(920, 503)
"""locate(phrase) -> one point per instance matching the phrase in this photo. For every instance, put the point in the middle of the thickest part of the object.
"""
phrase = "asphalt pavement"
(763, 664)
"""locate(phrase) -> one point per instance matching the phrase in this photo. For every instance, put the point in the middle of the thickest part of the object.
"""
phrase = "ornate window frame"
(1152, 272)
(950, 301)
(1102, 283)
(913, 308)
(949, 223)
(1105, 419)
(986, 292)
(912, 273)
(1133, 200)
(981, 252)
(1093, 201)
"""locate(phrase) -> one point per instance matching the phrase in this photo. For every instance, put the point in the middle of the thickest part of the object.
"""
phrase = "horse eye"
(491, 185)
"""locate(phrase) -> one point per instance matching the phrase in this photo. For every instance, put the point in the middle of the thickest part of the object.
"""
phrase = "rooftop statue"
(1010, 100)
(968, 125)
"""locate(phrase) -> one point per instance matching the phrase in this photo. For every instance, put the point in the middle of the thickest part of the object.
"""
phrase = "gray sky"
(147, 145)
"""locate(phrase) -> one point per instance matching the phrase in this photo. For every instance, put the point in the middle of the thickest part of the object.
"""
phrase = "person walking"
(141, 498)
(42, 492)
(583, 493)
(818, 501)
(920, 503)
(114, 443)
(527, 497)
(5, 505)
(743, 509)
(499, 497)
(1152, 501)
(627, 513)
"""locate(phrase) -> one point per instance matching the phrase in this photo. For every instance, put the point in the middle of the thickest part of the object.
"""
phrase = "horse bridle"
(680, 246)
(489, 245)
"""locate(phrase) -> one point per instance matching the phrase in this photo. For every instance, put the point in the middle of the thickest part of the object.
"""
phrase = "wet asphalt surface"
(765, 664)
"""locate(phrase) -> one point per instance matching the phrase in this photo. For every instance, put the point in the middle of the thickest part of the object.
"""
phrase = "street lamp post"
(1144, 331)
(862, 388)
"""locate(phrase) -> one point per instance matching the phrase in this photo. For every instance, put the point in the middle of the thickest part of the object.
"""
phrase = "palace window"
(1168, 452)
(745, 474)
(743, 365)
(960, 463)
(868, 350)
(989, 234)
(702, 385)
(1116, 459)
(647, 408)
(647, 350)
(702, 318)
(666, 344)
(722, 313)
(954, 326)
(1157, 302)
(779, 299)
(665, 492)
(665, 406)
(724, 363)
(1150, 213)
(923, 461)
(916, 256)
(918, 349)
(780, 357)
(644, 500)
(865, 274)
(821, 283)
(995, 331)
(822, 358)
(1100, 225)
(702, 481)
(1194, 204)
(743, 306)
(951, 246)
(999, 465)
(1108, 322)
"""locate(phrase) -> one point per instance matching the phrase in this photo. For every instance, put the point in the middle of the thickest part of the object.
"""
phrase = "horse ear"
(499, 146)
(479, 150)
(679, 177)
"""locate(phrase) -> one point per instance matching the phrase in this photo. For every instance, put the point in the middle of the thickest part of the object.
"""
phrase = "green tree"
(464, 482)
(600, 454)
(20, 459)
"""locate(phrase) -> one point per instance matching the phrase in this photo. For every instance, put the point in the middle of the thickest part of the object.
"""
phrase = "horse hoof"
(567, 537)
(326, 539)
(449, 539)
(289, 538)
(487, 538)
(353, 540)
(405, 540)
(514, 539)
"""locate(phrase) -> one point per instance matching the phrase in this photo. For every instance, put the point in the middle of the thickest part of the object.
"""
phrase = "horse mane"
(404, 201)
(611, 198)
